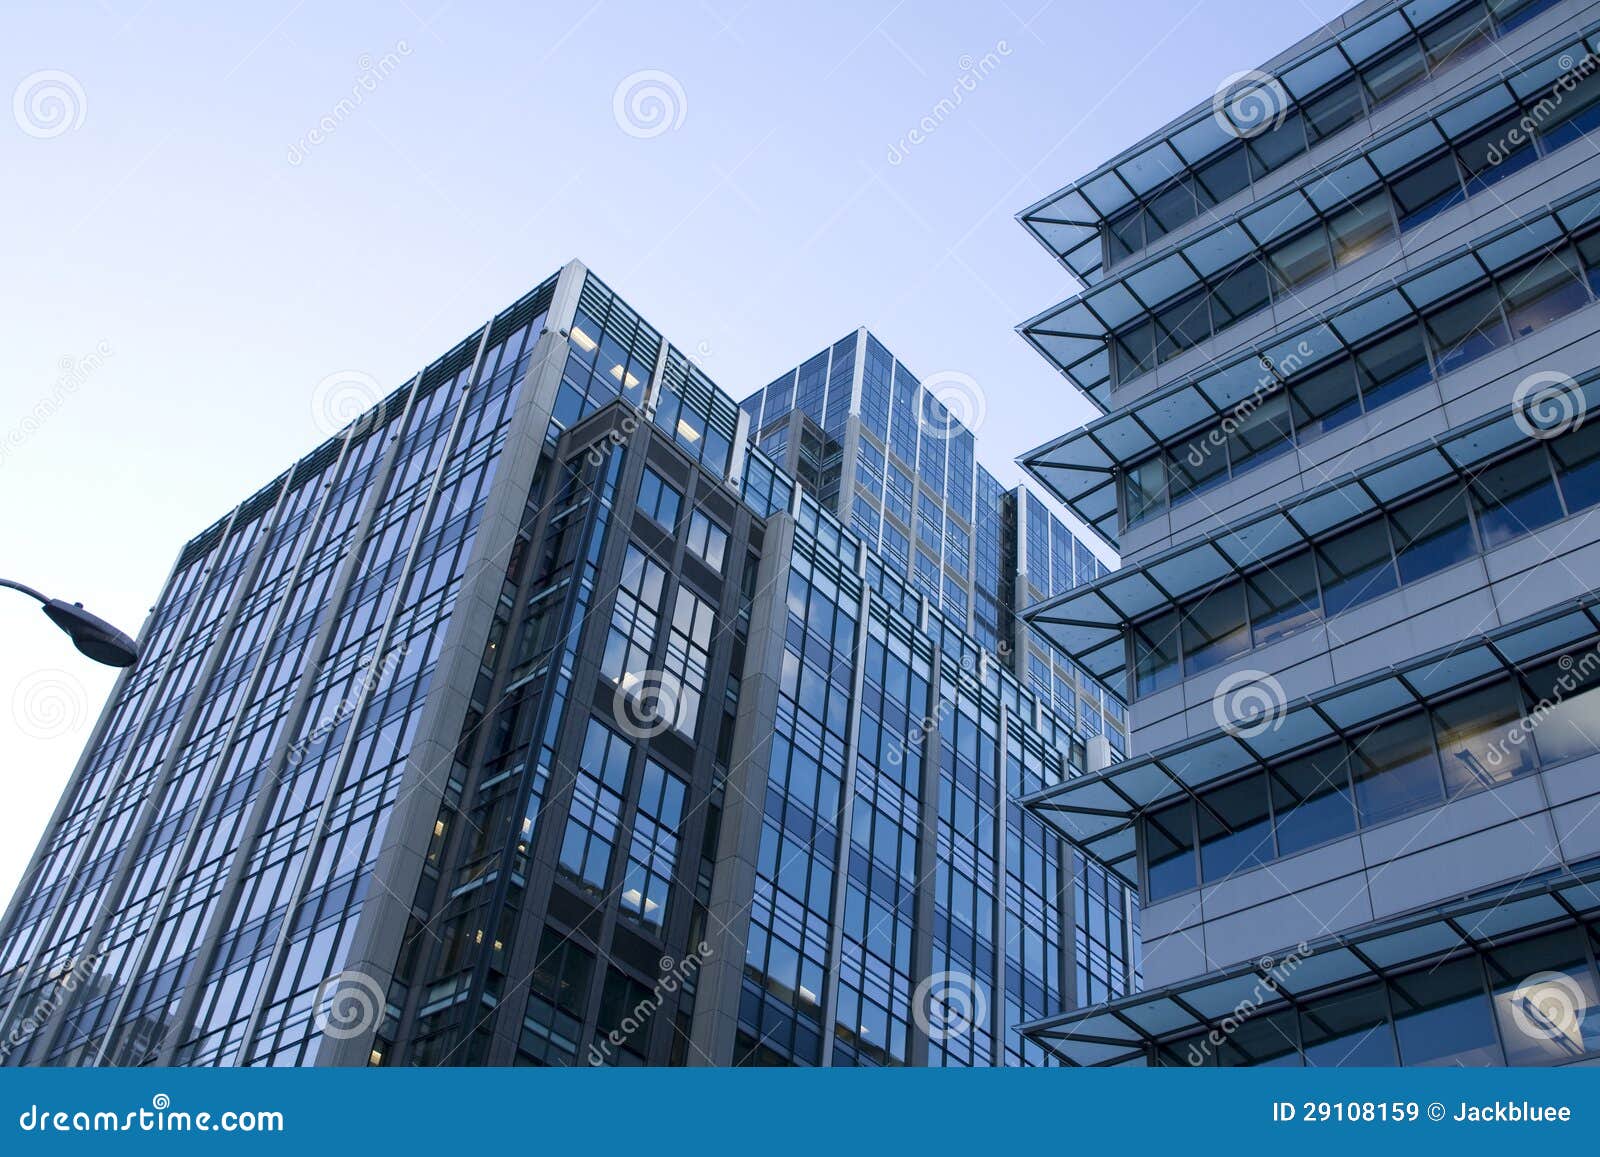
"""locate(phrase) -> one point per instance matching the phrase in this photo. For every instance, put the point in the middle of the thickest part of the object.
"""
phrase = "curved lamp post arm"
(89, 633)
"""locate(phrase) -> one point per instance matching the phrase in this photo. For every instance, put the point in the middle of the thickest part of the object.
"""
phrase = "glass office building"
(1342, 323)
(882, 451)
(541, 718)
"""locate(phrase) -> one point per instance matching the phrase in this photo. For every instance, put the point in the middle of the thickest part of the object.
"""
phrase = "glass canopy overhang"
(1121, 1031)
(1097, 813)
(1069, 222)
(1090, 622)
(1080, 468)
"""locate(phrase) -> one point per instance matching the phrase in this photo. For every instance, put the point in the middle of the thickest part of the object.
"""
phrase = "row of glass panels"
(1541, 717)
(1207, 162)
(1515, 496)
(1507, 308)
(1473, 1011)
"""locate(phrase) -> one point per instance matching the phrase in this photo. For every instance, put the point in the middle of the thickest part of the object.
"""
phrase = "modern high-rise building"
(893, 457)
(1342, 319)
(541, 718)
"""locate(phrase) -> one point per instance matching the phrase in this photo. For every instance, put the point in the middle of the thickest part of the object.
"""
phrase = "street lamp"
(91, 634)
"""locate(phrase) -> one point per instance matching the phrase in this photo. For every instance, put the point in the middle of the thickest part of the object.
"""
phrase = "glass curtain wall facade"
(1347, 357)
(880, 450)
(539, 718)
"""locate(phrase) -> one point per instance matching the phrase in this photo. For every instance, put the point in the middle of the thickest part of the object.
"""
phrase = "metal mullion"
(85, 841)
(225, 749)
(346, 754)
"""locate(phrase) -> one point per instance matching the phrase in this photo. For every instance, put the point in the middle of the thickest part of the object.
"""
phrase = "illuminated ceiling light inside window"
(628, 380)
(632, 897)
(585, 342)
(438, 827)
(687, 431)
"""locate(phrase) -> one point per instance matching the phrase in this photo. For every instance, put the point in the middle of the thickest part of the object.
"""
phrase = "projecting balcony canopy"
(1081, 468)
(1090, 622)
(1122, 1031)
(1069, 222)
(1098, 813)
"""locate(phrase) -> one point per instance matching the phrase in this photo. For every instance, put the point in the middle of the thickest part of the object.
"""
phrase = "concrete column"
(716, 1008)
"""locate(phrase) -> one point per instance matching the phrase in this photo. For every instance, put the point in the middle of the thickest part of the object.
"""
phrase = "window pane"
(1578, 466)
(1554, 1019)
(1136, 350)
(1325, 399)
(1395, 770)
(1432, 533)
(1542, 292)
(1146, 488)
(1172, 207)
(1265, 1040)
(1214, 629)
(1393, 366)
(1489, 155)
(1283, 598)
(1467, 329)
(1311, 800)
(1429, 189)
(1589, 254)
(1360, 229)
(1182, 326)
(1442, 1017)
(1224, 175)
(1389, 76)
(1454, 38)
(1243, 837)
(1275, 147)
(1565, 719)
(1578, 114)
(1515, 498)
(1169, 850)
(1197, 465)
(1302, 258)
(1242, 292)
(1350, 1030)
(1334, 109)
(1261, 434)
(1355, 567)
(1126, 233)
(1155, 649)
(1476, 744)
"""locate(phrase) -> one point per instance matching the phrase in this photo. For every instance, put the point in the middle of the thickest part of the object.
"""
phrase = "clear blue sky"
(181, 223)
